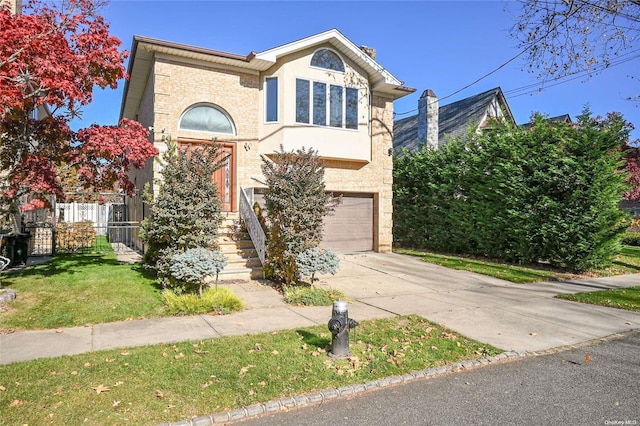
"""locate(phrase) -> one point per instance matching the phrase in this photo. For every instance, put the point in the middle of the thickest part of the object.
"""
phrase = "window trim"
(311, 108)
(266, 99)
(344, 64)
(210, 105)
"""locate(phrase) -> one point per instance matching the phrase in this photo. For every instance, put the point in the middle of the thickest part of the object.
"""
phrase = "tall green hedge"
(548, 193)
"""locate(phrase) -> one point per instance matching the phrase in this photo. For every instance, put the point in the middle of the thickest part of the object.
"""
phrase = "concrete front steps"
(243, 263)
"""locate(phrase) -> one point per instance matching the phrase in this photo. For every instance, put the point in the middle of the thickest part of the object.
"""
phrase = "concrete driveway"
(518, 317)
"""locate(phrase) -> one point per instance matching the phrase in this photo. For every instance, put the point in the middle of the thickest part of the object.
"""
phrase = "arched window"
(207, 118)
(325, 58)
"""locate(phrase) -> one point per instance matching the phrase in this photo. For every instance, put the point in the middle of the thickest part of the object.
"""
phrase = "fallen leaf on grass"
(101, 388)
(115, 404)
(245, 369)
(199, 352)
(17, 403)
(159, 394)
(125, 353)
(2, 388)
(179, 356)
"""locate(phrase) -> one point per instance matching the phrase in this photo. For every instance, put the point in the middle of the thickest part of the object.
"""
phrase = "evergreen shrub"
(296, 203)
(317, 260)
(187, 211)
(191, 268)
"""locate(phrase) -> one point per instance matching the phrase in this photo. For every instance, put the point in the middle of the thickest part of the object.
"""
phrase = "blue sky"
(438, 45)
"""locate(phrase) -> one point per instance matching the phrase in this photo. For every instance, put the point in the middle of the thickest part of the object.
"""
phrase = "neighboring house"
(322, 92)
(434, 124)
(633, 207)
(564, 118)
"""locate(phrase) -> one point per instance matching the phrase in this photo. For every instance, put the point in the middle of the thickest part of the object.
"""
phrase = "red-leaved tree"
(51, 58)
(632, 159)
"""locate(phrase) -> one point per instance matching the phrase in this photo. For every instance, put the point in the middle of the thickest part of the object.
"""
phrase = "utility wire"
(527, 48)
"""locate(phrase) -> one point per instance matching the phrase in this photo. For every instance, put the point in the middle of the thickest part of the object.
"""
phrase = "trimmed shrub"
(219, 300)
(191, 268)
(311, 296)
(296, 203)
(317, 260)
(186, 212)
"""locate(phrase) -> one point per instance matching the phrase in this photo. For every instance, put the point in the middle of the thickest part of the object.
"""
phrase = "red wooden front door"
(224, 177)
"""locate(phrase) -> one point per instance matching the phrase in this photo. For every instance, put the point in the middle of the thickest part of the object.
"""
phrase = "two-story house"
(321, 92)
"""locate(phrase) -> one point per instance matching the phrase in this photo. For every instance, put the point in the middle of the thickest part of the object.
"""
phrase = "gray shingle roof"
(453, 119)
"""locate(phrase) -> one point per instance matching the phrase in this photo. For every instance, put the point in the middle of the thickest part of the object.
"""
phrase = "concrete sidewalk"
(510, 316)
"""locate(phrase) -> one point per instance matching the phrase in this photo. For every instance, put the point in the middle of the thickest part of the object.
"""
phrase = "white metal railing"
(248, 216)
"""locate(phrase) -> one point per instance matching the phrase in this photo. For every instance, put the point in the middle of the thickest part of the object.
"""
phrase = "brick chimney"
(428, 119)
(370, 51)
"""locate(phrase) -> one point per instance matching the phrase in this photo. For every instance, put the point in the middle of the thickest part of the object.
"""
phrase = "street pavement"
(557, 389)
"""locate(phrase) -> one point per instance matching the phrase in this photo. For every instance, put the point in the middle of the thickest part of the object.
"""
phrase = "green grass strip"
(621, 298)
(169, 383)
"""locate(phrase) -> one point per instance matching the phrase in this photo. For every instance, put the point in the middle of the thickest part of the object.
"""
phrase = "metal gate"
(86, 222)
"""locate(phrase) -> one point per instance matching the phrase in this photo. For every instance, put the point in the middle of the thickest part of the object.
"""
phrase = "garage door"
(350, 228)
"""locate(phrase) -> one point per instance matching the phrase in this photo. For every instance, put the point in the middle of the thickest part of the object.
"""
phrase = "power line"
(537, 87)
(513, 58)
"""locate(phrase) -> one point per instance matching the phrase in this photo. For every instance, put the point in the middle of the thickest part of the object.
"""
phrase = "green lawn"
(78, 289)
(627, 262)
(169, 383)
(621, 298)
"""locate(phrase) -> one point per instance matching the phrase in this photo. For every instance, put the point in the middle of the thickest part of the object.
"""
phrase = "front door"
(224, 177)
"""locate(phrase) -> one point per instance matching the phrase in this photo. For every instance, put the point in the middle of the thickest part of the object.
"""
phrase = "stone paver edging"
(288, 403)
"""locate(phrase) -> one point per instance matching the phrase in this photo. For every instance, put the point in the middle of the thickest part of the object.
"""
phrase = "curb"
(287, 403)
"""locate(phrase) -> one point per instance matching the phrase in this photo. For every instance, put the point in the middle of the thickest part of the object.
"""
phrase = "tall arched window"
(207, 118)
(325, 58)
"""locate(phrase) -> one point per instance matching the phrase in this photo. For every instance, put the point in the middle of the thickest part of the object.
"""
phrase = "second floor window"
(271, 89)
(326, 104)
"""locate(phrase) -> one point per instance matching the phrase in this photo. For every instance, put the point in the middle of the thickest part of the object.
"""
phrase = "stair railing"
(250, 219)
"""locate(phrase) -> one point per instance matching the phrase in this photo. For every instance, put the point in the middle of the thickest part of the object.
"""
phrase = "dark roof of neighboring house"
(453, 119)
(631, 205)
(564, 118)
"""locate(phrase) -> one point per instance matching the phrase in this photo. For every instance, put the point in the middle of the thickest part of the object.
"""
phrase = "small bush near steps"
(219, 300)
(311, 296)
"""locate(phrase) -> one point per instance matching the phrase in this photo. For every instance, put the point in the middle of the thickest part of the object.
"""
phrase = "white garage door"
(350, 228)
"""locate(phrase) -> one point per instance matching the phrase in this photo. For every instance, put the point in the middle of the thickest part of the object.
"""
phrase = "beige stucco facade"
(168, 79)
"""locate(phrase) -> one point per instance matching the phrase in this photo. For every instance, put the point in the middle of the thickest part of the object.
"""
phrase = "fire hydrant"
(339, 325)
